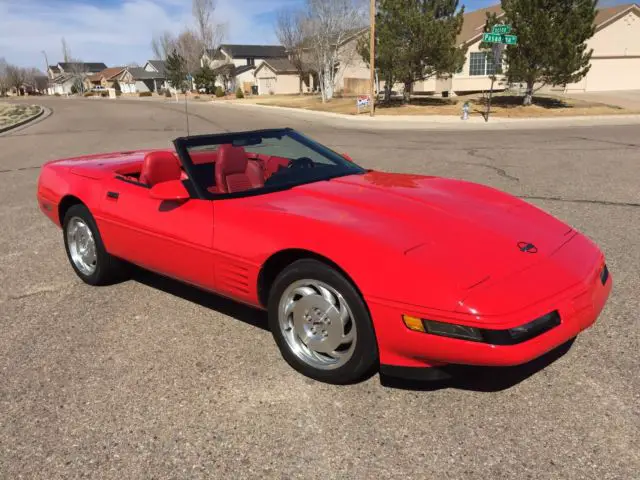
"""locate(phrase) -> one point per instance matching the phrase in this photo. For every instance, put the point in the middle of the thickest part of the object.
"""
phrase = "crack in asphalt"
(610, 142)
(500, 171)
(20, 169)
(607, 203)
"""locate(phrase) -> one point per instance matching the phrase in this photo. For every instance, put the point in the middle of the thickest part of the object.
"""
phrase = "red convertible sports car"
(358, 269)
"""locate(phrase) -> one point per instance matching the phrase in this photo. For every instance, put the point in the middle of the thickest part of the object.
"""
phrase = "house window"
(251, 61)
(481, 64)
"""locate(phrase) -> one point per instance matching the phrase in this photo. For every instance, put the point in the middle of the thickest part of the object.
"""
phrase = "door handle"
(113, 195)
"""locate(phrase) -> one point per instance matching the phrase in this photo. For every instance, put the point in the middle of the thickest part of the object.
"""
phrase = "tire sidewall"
(365, 356)
(98, 276)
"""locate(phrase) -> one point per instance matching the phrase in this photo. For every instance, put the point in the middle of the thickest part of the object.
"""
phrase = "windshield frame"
(184, 144)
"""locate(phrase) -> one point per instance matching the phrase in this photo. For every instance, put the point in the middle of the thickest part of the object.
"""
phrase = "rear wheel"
(321, 324)
(85, 249)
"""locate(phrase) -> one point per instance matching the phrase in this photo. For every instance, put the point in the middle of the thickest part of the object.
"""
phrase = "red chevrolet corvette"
(359, 270)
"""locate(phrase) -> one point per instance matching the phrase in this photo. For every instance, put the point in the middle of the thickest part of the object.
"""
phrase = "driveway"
(629, 99)
(154, 379)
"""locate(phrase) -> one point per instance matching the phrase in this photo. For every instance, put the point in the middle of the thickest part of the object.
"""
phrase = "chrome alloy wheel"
(82, 246)
(317, 324)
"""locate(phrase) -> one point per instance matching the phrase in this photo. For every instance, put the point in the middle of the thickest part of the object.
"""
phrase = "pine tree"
(176, 71)
(416, 40)
(552, 37)
(205, 78)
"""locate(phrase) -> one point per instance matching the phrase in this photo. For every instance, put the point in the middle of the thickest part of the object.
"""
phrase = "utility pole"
(372, 52)
(46, 70)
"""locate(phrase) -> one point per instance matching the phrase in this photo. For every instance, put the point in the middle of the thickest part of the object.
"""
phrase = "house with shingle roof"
(150, 78)
(106, 78)
(615, 64)
(234, 64)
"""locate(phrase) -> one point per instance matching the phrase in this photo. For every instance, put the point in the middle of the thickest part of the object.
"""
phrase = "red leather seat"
(234, 172)
(160, 167)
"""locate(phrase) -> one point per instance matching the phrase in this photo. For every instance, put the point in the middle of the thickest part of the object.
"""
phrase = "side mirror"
(347, 157)
(171, 190)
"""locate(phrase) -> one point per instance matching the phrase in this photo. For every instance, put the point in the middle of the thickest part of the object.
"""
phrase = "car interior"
(228, 169)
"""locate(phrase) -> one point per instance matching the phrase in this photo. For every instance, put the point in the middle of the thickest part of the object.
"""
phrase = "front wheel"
(85, 249)
(321, 324)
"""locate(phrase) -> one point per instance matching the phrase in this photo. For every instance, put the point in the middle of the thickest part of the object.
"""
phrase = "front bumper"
(578, 306)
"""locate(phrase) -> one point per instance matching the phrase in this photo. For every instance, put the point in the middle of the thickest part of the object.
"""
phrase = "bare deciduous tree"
(211, 34)
(189, 46)
(290, 30)
(328, 24)
(66, 54)
(15, 77)
(162, 45)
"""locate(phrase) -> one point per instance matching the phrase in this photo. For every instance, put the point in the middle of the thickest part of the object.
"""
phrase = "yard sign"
(362, 102)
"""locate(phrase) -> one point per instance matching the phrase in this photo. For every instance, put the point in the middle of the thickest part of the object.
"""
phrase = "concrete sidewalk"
(444, 122)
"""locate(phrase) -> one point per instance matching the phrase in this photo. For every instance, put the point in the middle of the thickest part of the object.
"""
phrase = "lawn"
(503, 105)
(11, 113)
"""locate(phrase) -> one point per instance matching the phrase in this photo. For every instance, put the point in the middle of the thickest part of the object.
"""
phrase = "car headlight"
(443, 329)
(512, 336)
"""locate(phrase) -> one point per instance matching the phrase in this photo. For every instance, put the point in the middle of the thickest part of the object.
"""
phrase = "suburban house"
(615, 64)
(235, 65)
(107, 78)
(64, 76)
(150, 78)
(63, 68)
(278, 76)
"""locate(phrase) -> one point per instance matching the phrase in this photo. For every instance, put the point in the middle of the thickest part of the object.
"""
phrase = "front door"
(171, 238)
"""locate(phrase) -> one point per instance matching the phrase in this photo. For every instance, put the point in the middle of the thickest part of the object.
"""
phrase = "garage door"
(613, 74)
(265, 85)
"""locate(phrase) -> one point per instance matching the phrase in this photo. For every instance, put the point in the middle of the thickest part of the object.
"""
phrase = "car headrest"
(231, 160)
(161, 166)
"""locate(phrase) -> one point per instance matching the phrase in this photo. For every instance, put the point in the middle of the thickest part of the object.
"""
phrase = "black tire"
(109, 269)
(364, 360)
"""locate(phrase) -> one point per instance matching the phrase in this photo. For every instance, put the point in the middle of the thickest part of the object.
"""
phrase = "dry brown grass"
(508, 106)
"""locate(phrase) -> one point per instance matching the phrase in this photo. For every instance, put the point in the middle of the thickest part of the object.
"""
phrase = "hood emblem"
(526, 247)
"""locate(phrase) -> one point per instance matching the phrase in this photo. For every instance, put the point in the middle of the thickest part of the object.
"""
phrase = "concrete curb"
(449, 121)
(24, 122)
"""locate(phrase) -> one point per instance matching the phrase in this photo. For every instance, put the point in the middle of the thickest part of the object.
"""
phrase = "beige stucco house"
(235, 65)
(277, 76)
(615, 64)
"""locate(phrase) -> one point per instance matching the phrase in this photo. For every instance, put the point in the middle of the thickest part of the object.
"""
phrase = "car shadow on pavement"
(225, 306)
(480, 379)
(462, 377)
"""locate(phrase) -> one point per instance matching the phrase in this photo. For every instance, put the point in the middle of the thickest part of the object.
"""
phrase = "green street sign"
(492, 38)
(501, 29)
(497, 38)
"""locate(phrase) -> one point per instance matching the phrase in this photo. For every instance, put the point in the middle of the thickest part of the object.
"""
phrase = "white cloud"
(116, 32)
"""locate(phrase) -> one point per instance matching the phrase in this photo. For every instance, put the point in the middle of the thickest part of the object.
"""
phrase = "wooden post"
(372, 52)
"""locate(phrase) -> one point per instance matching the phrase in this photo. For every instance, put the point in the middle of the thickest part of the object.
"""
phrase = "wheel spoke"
(348, 337)
(326, 294)
(289, 308)
(304, 291)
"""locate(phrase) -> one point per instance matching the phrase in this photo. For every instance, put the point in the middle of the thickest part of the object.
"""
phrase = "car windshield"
(258, 162)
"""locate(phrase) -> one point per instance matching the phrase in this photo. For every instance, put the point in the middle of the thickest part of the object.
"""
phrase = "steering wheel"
(302, 162)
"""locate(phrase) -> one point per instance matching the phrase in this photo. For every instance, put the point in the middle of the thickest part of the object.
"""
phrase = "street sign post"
(499, 37)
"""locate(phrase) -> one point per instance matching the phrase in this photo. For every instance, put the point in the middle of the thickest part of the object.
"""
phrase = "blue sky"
(119, 32)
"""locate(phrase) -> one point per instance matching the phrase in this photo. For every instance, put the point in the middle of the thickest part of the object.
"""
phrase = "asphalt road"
(151, 379)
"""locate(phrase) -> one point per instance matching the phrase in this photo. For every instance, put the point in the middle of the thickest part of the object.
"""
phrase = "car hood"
(465, 233)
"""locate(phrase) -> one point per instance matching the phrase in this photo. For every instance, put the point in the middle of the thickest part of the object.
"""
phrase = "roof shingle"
(254, 51)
